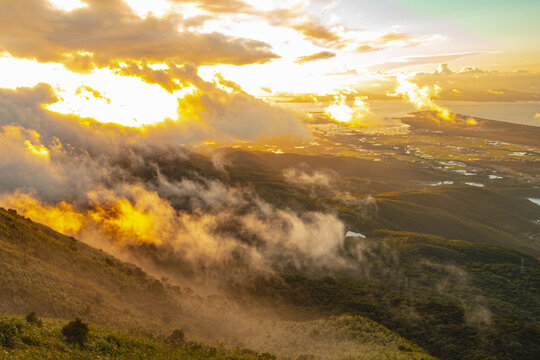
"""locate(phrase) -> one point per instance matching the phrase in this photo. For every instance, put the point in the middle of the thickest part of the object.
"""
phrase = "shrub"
(177, 337)
(76, 332)
(10, 331)
(32, 318)
(113, 340)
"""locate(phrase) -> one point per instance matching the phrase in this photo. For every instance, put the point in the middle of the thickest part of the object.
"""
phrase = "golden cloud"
(473, 84)
(110, 32)
(317, 56)
(389, 39)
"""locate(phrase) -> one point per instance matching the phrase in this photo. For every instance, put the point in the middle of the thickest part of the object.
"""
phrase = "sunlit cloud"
(107, 33)
(100, 94)
(358, 114)
(68, 5)
(420, 97)
(317, 56)
(418, 60)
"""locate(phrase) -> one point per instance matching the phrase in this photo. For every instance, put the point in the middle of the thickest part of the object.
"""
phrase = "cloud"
(358, 115)
(474, 84)
(367, 48)
(419, 60)
(317, 56)
(218, 6)
(324, 182)
(110, 32)
(319, 34)
(349, 72)
(233, 113)
(295, 17)
(102, 183)
(388, 39)
(88, 91)
(54, 172)
(444, 83)
(244, 238)
(421, 98)
(208, 113)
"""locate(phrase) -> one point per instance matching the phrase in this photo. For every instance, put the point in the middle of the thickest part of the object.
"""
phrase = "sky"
(137, 63)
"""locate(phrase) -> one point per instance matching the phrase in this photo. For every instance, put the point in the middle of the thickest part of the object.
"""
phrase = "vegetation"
(76, 332)
(22, 341)
(472, 298)
(29, 342)
(37, 258)
(59, 276)
(455, 299)
(32, 318)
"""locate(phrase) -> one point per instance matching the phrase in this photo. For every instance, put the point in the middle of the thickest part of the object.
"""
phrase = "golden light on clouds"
(421, 97)
(68, 5)
(339, 110)
(61, 217)
(140, 63)
(358, 114)
(124, 100)
(38, 150)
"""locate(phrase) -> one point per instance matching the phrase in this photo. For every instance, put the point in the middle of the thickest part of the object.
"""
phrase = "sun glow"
(420, 97)
(144, 218)
(357, 115)
(144, 7)
(38, 150)
(101, 94)
(68, 5)
(340, 111)
(61, 217)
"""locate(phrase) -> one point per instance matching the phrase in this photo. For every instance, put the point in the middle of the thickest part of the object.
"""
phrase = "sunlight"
(68, 5)
(157, 8)
(38, 150)
(124, 100)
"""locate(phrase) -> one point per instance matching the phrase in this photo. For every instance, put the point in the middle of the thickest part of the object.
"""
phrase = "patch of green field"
(343, 337)
(20, 340)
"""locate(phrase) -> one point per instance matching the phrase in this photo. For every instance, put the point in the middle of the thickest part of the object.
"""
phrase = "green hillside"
(26, 341)
(23, 341)
(58, 276)
(485, 216)
(458, 300)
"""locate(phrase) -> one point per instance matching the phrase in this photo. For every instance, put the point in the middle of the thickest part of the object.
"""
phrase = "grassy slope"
(32, 342)
(456, 299)
(58, 276)
(29, 342)
(484, 216)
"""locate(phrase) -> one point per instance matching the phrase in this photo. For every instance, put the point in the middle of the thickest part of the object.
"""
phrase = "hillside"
(456, 299)
(484, 216)
(498, 214)
(28, 341)
(58, 276)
